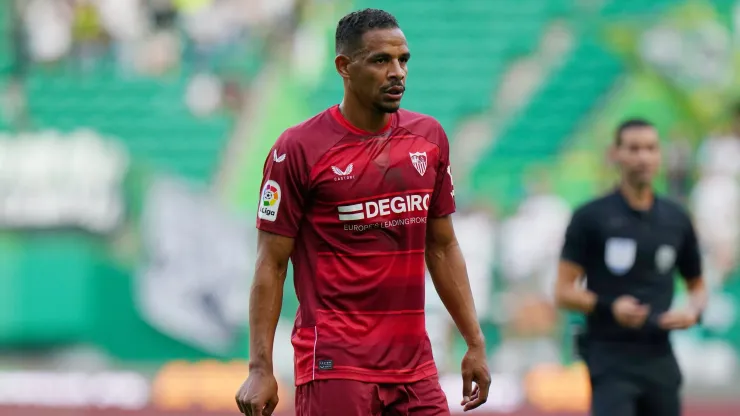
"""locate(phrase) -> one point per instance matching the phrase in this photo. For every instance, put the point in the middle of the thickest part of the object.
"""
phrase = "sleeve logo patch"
(270, 201)
(276, 158)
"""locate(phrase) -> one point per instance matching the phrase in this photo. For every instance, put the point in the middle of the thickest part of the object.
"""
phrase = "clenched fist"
(629, 313)
(258, 395)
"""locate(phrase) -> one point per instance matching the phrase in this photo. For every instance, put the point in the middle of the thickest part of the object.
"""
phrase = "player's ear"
(342, 63)
(611, 154)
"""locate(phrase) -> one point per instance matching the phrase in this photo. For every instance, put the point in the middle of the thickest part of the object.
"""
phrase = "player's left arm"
(689, 265)
(447, 268)
(450, 277)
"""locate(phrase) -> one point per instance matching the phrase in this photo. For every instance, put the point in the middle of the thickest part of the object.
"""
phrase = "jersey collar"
(339, 117)
(644, 214)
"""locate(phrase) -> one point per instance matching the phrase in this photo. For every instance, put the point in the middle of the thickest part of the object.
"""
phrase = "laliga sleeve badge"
(270, 201)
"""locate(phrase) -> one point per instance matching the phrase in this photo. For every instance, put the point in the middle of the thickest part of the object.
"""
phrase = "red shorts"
(355, 398)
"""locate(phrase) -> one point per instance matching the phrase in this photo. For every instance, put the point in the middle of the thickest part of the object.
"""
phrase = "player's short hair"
(629, 124)
(353, 26)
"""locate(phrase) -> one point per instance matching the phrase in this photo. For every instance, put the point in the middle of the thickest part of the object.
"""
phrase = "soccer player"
(357, 198)
(627, 245)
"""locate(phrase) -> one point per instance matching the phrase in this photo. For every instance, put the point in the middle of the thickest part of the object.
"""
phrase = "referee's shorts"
(633, 381)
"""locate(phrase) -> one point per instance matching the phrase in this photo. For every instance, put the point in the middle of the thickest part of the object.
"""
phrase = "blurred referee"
(627, 245)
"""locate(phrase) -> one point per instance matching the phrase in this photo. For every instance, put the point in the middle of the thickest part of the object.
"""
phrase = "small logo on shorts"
(326, 364)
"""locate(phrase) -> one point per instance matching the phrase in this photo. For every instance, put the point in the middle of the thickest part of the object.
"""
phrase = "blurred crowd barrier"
(133, 135)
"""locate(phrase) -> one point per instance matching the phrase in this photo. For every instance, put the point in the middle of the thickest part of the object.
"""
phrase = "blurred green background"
(529, 92)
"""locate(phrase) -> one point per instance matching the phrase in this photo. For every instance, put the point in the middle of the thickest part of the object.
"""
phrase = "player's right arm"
(280, 213)
(266, 297)
(571, 294)
(258, 394)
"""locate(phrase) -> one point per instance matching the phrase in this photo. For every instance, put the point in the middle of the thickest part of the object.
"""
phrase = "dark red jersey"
(357, 204)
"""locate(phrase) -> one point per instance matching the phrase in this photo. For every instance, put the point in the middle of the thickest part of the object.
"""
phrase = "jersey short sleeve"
(689, 259)
(443, 202)
(284, 188)
(575, 247)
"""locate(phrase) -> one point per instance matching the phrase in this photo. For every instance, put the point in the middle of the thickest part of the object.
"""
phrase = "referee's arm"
(568, 293)
(571, 295)
(689, 265)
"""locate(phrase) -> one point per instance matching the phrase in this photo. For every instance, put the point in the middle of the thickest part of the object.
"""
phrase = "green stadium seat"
(148, 116)
(635, 7)
(548, 119)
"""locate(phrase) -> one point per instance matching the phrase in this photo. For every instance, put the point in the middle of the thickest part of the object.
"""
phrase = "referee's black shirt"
(629, 252)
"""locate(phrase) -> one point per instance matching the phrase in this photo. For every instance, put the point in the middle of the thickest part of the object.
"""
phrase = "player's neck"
(638, 197)
(372, 121)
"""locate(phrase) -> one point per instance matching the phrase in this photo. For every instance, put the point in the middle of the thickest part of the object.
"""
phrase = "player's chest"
(644, 246)
(376, 168)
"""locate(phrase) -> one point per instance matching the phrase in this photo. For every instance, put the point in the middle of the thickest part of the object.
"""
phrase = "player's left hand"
(678, 319)
(475, 370)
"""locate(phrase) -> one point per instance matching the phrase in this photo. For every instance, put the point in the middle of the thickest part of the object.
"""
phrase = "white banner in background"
(694, 54)
(51, 180)
(105, 390)
(199, 260)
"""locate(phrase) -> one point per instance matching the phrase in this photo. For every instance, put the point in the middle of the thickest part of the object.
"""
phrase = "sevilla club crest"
(419, 160)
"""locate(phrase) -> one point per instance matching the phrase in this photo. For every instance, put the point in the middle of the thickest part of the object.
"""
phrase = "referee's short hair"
(628, 124)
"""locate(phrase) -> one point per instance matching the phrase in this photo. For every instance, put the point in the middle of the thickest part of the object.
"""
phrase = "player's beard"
(640, 179)
(389, 108)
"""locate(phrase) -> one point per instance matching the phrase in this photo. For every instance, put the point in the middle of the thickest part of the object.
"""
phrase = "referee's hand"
(678, 319)
(629, 313)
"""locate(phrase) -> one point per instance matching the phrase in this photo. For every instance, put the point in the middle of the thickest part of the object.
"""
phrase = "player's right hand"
(629, 313)
(258, 395)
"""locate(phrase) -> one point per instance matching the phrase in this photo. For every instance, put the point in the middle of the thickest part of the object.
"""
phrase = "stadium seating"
(634, 7)
(148, 115)
(5, 41)
(536, 135)
(6, 50)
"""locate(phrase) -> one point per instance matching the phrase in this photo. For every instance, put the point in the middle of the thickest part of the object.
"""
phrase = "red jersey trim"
(339, 117)
(412, 375)
(370, 253)
(272, 228)
(402, 312)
